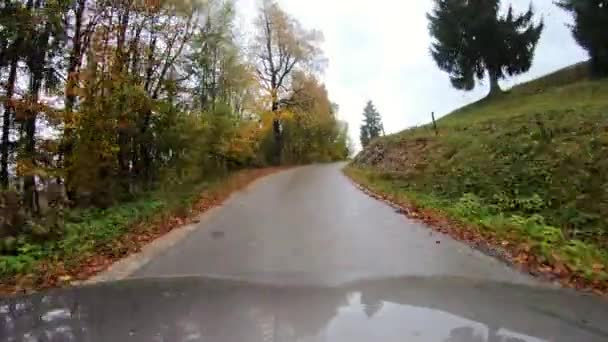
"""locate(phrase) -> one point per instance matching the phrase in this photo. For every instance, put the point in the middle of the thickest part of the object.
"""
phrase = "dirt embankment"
(402, 157)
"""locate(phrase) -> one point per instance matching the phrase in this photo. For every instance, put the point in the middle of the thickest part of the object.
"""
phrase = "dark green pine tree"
(372, 124)
(590, 30)
(473, 40)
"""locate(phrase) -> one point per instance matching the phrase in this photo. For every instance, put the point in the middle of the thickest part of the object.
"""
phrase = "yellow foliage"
(24, 167)
(245, 143)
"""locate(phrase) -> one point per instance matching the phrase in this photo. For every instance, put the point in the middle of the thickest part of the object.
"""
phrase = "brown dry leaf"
(65, 278)
(521, 258)
(560, 268)
(556, 257)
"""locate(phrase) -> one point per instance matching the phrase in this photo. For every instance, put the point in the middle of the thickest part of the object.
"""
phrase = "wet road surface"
(310, 225)
(363, 273)
(435, 309)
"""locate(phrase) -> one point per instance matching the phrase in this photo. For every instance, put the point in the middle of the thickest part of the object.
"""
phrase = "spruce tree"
(473, 40)
(372, 124)
(590, 30)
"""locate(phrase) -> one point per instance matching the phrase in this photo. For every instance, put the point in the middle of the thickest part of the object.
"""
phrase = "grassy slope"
(533, 161)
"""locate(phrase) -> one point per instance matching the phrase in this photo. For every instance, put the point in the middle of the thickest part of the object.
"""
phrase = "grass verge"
(93, 239)
(527, 242)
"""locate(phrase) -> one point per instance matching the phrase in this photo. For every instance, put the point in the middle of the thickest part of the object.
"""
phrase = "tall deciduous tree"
(11, 45)
(591, 30)
(45, 38)
(472, 40)
(80, 23)
(372, 126)
(281, 46)
(156, 92)
(311, 129)
(218, 72)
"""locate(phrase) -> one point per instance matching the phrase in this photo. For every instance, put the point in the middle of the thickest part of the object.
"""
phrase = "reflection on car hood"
(405, 309)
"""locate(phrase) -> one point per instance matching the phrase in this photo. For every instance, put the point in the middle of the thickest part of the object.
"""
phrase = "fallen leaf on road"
(65, 278)
(522, 258)
(560, 268)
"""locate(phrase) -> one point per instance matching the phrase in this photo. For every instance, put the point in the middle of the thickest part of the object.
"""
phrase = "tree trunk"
(124, 170)
(599, 65)
(75, 59)
(29, 181)
(494, 86)
(36, 60)
(124, 137)
(278, 134)
(6, 123)
(143, 164)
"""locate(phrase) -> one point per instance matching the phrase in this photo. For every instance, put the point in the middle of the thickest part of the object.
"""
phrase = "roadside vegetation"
(528, 166)
(93, 238)
(117, 112)
(522, 170)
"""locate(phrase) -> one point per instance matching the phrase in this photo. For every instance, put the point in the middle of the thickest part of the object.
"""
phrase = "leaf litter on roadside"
(57, 273)
(518, 254)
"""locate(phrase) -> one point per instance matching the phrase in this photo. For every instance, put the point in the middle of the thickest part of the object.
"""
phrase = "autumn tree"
(590, 30)
(372, 126)
(109, 100)
(312, 131)
(45, 32)
(80, 20)
(11, 45)
(217, 69)
(473, 40)
(282, 46)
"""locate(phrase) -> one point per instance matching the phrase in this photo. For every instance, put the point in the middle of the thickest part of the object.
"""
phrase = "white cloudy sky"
(379, 50)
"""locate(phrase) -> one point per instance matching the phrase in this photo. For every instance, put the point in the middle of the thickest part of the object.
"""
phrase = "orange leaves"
(521, 258)
(71, 119)
(25, 167)
(245, 141)
(27, 108)
(71, 88)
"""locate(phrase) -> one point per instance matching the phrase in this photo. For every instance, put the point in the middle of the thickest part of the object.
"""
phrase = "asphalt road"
(310, 225)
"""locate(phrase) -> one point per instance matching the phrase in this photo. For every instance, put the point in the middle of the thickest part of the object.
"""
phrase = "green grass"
(538, 152)
(85, 231)
(571, 74)
(545, 241)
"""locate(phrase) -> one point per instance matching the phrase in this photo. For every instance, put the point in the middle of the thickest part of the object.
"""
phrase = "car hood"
(400, 309)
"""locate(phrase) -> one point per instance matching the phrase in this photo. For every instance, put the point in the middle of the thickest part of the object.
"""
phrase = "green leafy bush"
(84, 231)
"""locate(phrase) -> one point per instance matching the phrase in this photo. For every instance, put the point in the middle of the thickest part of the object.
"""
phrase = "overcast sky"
(379, 50)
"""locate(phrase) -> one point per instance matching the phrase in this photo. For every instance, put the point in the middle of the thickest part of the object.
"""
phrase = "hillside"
(531, 164)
